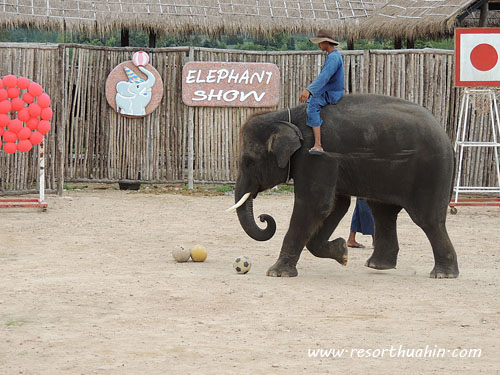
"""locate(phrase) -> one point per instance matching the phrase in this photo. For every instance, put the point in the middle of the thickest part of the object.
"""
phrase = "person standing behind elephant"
(327, 88)
(362, 222)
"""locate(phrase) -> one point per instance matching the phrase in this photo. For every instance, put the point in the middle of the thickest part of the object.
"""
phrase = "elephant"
(389, 151)
(133, 96)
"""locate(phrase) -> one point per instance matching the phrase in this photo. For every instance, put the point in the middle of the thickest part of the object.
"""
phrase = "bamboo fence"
(90, 142)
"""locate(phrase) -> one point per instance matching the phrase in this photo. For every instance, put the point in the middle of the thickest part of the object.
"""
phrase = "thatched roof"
(493, 20)
(187, 16)
(418, 18)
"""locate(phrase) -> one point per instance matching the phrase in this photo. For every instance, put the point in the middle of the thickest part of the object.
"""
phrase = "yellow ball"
(198, 253)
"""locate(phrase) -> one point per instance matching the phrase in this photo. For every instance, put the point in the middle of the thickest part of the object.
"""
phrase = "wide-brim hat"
(324, 36)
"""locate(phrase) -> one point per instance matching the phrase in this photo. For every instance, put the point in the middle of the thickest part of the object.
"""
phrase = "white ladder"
(462, 140)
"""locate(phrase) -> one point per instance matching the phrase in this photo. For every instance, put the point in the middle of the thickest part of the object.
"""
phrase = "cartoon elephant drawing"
(133, 96)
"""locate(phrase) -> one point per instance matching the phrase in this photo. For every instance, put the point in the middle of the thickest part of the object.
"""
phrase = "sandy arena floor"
(90, 287)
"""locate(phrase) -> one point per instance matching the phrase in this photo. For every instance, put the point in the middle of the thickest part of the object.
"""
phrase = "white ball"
(242, 264)
(180, 254)
(140, 58)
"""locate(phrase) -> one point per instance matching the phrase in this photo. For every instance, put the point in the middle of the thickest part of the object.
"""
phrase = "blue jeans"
(362, 219)
(314, 105)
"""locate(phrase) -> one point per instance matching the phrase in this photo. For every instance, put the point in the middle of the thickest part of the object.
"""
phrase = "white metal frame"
(31, 202)
(41, 182)
(461, 141)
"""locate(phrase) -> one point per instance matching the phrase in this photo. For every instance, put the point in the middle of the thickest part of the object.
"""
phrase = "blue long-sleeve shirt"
(330, 80)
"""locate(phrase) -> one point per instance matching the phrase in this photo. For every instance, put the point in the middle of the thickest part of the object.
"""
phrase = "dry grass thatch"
(356, 18)
(187, 16)
(473, 19)
(415, 19)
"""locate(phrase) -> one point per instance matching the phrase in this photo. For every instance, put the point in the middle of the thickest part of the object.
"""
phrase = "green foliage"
(21, 35)
(285, 188)
(446, 43)
(15, 323)
(224, 188)
(277, 42)
(376, 43)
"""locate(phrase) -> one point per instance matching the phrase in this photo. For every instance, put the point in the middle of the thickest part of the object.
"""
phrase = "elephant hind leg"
(445, 257)
(385, 253)
(319, 245)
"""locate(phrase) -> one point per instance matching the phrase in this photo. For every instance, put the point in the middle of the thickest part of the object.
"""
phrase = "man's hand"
(304, 96)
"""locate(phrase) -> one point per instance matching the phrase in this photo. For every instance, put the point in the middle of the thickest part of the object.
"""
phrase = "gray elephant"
(389, 151)
(133, 96)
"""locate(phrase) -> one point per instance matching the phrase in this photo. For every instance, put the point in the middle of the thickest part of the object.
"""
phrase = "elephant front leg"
(315, 184)
(319, 245)
(286, 265)
(306, 220)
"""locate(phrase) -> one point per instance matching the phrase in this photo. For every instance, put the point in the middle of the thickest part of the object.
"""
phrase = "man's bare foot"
(316, 150)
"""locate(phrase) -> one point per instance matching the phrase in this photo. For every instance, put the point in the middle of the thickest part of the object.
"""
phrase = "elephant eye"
(137, 86)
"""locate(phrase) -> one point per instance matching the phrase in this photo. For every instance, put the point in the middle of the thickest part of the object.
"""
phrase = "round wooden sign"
(134, 91)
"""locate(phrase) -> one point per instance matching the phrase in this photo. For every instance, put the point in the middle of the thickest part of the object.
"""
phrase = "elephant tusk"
(240, 203)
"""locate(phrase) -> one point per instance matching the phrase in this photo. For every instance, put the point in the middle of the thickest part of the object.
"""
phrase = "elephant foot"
(380, 264)
(336, 249)
(282, 269)
(339, 251)
(440, 272)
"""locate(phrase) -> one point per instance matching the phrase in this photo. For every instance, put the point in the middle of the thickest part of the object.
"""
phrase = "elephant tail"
(454, 175)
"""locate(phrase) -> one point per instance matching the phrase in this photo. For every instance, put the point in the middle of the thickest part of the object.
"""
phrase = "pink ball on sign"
(140, 58)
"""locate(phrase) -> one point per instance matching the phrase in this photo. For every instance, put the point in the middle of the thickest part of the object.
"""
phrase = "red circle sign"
(484, 57)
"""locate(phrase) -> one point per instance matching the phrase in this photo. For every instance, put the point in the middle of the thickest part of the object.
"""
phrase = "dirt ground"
(90, 287)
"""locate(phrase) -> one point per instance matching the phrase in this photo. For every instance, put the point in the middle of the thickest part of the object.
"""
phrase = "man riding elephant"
(327, 88)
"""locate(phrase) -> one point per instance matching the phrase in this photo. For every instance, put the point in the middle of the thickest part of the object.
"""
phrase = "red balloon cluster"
(25, 114)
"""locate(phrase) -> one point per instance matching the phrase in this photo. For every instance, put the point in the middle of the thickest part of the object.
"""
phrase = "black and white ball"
(242, 264)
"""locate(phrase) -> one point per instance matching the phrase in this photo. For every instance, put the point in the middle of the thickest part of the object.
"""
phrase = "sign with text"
(477, 52)
(227, 84)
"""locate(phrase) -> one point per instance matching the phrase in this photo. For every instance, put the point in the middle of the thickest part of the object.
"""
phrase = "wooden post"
(152, 39)
(61, 128)
(190, 135)
(483, 17)
(350, 43)
(398, 43)
(125, 38)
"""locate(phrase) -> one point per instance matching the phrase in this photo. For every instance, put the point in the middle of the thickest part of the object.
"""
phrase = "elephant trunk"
(151, 78)
(247, 221)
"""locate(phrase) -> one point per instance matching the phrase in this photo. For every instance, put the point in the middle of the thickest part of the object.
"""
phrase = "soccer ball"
(242, 264)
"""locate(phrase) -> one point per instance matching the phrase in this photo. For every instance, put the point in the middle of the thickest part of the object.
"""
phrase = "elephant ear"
(284, 142)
